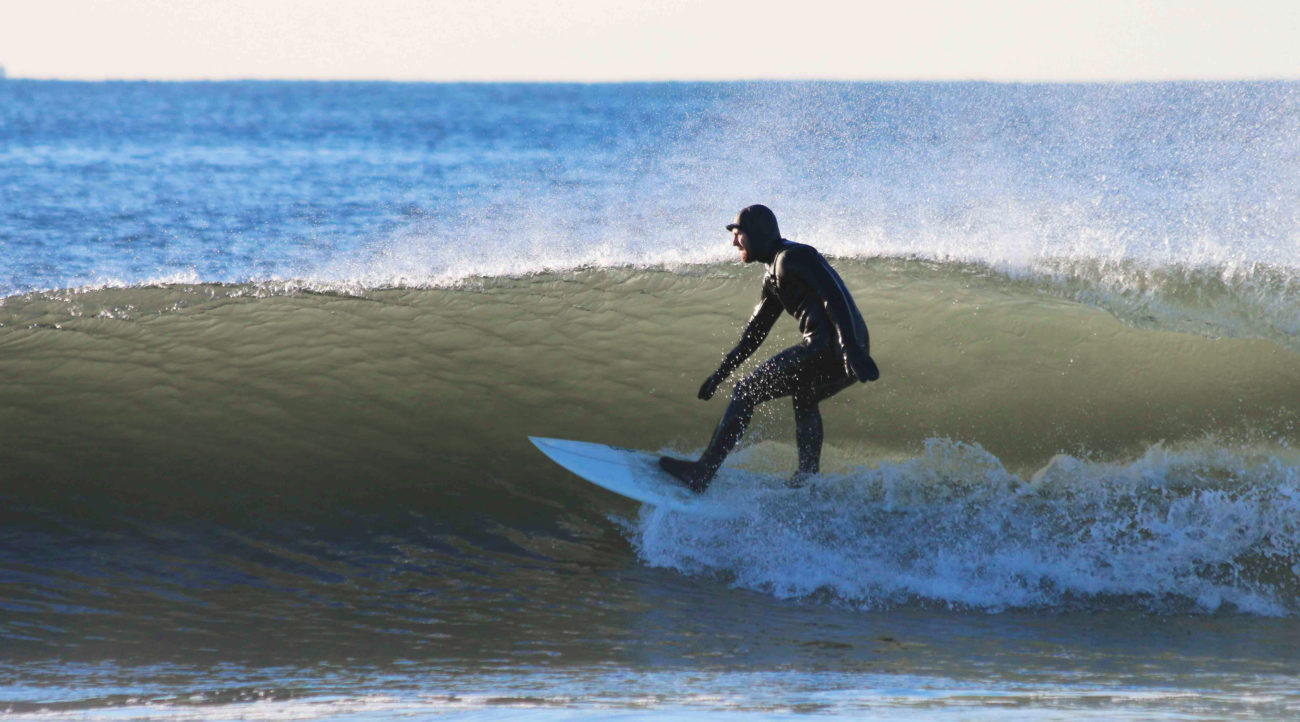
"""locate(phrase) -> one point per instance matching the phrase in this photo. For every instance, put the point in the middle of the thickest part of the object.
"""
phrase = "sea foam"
(1204, 528)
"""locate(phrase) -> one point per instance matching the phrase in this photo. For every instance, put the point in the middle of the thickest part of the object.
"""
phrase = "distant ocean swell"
(1021, 450)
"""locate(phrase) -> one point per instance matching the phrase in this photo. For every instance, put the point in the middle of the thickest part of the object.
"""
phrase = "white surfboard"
(631, 473)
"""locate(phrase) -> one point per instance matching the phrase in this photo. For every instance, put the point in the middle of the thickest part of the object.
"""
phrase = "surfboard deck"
(630, 473)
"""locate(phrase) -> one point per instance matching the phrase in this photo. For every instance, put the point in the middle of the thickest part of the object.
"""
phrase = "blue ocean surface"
(270, 353)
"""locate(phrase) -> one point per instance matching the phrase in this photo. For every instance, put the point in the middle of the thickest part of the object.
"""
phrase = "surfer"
(833, 355)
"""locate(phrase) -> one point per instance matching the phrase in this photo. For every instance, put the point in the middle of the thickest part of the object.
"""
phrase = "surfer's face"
(740, 240)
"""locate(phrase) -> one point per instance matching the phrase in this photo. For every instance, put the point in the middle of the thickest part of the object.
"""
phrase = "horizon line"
(1028, 80)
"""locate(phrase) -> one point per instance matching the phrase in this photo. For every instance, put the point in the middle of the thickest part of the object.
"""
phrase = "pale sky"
(607, 40)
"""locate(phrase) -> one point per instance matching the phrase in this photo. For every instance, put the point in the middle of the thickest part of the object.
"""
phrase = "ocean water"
(270, 352)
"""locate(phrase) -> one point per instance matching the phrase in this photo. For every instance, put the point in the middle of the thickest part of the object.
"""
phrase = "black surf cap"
(758, 221)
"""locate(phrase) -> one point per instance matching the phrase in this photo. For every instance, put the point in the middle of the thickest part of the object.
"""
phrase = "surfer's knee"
(745, 391)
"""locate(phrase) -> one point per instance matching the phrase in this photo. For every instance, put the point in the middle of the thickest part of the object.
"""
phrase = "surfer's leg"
(698, 474)
(772, 379)
(730, 428)
(819, 380)
(808, 433)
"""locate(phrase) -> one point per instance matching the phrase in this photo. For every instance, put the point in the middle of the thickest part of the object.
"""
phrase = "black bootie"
(693, 474)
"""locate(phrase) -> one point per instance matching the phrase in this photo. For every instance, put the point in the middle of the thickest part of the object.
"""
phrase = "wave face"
(1020, 451)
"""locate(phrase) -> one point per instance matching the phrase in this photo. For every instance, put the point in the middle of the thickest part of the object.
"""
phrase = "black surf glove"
(710, 385)
(859, 365)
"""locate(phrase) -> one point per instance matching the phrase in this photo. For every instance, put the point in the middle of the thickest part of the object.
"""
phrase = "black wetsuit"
(800, 282)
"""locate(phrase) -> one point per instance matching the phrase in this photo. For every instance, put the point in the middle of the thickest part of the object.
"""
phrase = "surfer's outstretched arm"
(760, 323)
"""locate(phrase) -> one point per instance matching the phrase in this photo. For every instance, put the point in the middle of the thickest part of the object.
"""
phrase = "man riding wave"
(834, 354)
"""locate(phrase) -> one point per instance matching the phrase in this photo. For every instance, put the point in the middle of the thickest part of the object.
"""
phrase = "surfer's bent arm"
(760, 323)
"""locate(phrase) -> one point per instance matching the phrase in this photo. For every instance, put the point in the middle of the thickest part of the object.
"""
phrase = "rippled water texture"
(270, 354)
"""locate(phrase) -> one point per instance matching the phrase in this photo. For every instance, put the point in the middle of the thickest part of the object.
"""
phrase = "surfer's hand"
(859, 365)
(710, 385)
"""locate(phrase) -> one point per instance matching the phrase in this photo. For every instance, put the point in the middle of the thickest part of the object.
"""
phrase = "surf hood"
(759, 223)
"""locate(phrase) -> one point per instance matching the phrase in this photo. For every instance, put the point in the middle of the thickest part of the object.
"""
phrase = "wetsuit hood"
(759, 223)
